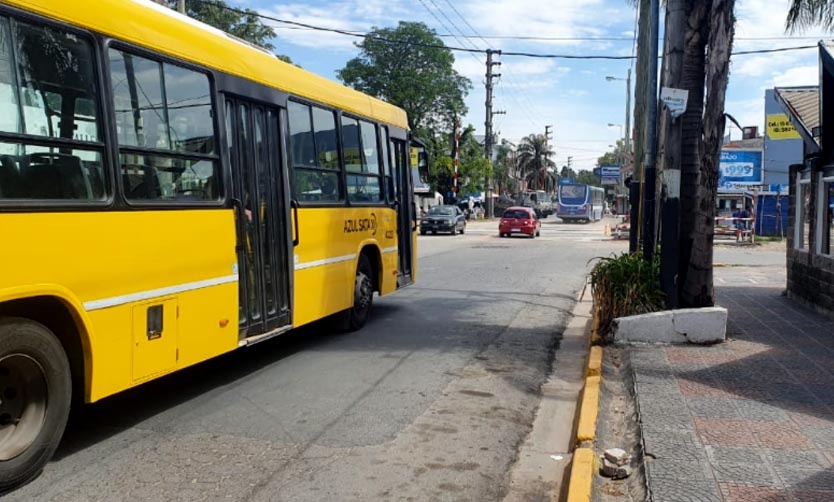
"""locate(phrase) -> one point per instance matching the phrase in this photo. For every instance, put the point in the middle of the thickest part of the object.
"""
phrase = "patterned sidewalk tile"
(736, 493)
(720, 432)
(713, 407)
(807, 479)
(757, 410)
(748, 420)
(780, 435)
(746, 474)
(682, 490)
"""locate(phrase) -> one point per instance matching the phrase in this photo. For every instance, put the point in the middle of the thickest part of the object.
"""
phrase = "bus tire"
(36, 391)
(355, 317)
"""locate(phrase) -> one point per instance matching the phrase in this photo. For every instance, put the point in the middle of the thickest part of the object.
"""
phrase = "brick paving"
(751, 419)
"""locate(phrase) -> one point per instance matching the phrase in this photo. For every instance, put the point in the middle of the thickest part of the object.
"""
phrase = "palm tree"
(534, 163)
(805, 13)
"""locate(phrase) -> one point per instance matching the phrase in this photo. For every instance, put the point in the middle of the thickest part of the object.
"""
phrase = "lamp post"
(617, 125)
(627, 135)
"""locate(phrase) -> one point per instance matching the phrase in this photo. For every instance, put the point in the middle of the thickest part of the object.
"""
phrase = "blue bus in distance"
(579, 202)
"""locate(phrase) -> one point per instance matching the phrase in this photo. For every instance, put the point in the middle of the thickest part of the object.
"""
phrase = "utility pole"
(628, 113)
(635, 190)
(651, 137)
(490, 211)
(456, 157)
(547, 138)
(181, 6)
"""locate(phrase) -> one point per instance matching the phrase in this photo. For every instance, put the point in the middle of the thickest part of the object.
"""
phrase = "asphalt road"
(430, 401)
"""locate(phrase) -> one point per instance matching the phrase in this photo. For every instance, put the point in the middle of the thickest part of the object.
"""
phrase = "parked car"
(519, 220)
(443, 219)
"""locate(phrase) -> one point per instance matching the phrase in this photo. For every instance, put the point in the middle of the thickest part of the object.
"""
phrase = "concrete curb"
(581, 475)
(584, 460)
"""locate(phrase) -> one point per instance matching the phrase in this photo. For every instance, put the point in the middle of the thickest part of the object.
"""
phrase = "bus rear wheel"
(35, 394)
(355, 317)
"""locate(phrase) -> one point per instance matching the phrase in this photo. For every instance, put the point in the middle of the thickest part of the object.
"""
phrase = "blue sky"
(572, 96)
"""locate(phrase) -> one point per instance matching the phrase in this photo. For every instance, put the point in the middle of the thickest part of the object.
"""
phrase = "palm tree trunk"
(692, 79)
(698, 287)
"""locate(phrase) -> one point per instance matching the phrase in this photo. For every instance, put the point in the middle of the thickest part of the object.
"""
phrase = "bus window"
(314, 154)
(48, 90)
(361, 161)
(163, 107)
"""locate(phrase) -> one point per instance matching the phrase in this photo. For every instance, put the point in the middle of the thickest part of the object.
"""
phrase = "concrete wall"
(778, 153)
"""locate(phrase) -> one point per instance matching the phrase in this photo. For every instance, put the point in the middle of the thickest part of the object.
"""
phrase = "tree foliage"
(242, 23)
(472, 166)
(807, 13)
(613, 157)
(534, 163)
(409, 66)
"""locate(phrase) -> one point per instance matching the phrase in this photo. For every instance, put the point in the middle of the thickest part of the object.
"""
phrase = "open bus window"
(157, 177)
(363, 188)
(37, 172)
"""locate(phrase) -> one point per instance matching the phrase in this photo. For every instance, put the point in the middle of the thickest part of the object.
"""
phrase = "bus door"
(262, 216)
(406, 216)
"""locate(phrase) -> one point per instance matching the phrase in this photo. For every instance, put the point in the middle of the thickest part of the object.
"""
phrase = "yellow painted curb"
(587, 428)
(594, 362)
(581, 475)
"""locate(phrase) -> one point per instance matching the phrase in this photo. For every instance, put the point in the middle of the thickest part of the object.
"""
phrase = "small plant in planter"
(621, 286)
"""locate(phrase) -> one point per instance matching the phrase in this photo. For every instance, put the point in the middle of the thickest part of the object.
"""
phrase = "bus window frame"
(290, 161)
(380, 176)
(221, 148)
(13, 14)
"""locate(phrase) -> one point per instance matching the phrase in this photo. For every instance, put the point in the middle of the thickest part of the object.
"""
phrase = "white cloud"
(798, 75)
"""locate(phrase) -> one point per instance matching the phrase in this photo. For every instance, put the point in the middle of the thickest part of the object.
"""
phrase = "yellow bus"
(167, 194)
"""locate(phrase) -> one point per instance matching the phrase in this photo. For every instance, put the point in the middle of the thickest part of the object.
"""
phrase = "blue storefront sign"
(738, 168)
(609, 175)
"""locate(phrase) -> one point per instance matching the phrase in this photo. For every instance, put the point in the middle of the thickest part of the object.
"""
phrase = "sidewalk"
(751, 419)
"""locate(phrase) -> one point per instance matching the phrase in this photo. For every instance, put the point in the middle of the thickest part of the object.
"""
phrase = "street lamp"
(627, 135)
(617, 125)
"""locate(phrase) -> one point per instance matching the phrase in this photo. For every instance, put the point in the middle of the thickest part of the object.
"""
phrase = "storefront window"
(826, 214)
(803, 212)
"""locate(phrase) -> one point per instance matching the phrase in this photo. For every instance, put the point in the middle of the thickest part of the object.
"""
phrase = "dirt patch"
(617, 427)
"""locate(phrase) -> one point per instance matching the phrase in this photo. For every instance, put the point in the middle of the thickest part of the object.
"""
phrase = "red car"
(519, 220)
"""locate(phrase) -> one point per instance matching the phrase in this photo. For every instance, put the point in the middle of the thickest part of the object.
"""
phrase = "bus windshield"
(572, 194)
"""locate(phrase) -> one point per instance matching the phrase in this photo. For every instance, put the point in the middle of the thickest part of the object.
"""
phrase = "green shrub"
(624, 285)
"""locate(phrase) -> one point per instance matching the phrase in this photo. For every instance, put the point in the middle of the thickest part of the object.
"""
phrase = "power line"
(464, 49)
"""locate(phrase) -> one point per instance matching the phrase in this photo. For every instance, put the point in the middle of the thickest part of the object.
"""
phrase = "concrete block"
(699, 326)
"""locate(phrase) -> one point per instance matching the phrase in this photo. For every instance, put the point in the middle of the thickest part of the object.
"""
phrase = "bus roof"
(161, 29)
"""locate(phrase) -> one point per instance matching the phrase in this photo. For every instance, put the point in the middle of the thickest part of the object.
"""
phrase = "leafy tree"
(242, 23)
(472, 166)
(586, 177)
(409, 66)
(567, 173)
(613, 157)
(534, 163)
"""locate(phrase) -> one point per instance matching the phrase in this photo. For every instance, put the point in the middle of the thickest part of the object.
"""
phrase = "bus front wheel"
(355, 317)
(35, 394)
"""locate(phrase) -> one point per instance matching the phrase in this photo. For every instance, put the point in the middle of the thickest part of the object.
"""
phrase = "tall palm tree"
(534, 162)
(805, 13)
